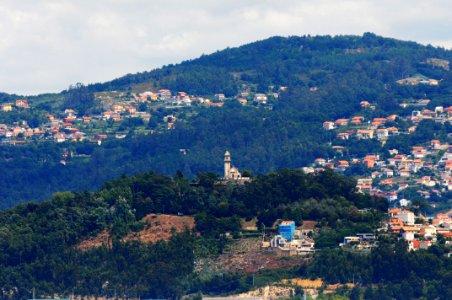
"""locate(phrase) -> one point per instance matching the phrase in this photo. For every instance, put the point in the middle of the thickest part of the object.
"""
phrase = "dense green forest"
(37, 240)
(345, 70)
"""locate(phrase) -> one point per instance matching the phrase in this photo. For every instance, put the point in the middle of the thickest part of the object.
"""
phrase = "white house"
(406, 216)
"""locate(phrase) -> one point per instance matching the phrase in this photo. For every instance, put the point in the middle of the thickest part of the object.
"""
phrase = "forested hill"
(294, 61)
(38, 242)
(326, 77)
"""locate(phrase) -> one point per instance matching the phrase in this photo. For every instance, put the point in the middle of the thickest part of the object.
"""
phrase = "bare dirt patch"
(157, 227)
(102, 239)
(162, 227)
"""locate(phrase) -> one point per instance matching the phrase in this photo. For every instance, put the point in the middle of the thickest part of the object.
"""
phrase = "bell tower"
(227, 164)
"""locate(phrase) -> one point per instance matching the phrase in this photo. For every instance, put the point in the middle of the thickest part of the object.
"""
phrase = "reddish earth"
(161, 227)
(157, 227)
(102, 239)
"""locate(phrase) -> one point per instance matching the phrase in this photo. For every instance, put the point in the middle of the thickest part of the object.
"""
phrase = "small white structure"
(428, 231)
(351, 240)
(328, 125)
(231, 173)
(404, 202)
(219, 97)
(297, 246)
(406, 216)
(261, 98)
(361, 241)
(408, 236)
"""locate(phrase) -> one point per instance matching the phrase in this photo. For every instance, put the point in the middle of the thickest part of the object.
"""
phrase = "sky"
(46, 45)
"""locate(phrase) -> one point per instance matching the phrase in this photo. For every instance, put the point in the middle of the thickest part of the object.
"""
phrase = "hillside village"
(304, 231)
(424, 173)
(419, 231)
(119, 113)
(427, 168)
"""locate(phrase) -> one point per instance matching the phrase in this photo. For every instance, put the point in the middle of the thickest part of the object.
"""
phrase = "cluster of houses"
(420, 232)
(358, 127)
(18, 131)
(181, 99)
(19, 104)
(390, 177)
(421, 79)
(68, 126)
(167, 97)
(376, 128)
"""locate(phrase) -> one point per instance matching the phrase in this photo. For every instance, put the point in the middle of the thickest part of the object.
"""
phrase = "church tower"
(227, 164)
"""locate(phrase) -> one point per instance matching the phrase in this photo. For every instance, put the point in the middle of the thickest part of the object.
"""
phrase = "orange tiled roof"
(447, 235)
(394, 210)
(410, 228)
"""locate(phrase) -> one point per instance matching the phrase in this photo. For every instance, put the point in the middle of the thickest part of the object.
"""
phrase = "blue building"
(287, 229)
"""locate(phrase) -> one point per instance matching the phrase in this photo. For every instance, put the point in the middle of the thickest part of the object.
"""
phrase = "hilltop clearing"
(155, 228)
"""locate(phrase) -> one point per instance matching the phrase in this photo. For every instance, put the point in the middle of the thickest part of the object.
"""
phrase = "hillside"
(40, 243)
(293, 61)
(44, 235)
(314, 78)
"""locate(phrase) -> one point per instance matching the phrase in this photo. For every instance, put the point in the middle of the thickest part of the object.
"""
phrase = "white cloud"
(48, 44)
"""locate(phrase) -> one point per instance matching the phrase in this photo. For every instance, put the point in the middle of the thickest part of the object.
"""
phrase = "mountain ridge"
(355, 41)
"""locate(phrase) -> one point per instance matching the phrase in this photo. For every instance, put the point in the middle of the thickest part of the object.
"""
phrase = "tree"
(355, 293)
(80, 98)
(368, 293)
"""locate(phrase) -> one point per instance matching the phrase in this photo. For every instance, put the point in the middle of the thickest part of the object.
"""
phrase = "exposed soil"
(162, 227)
(102, 239)
(157, 227)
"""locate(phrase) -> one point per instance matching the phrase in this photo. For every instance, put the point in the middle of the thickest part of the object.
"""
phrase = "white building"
(261, 98)
(404, 202)
(297, 246)
(408, 236)
(406, 216)
(230, 172)
(219, 97)
(428, 231)
(328, 125)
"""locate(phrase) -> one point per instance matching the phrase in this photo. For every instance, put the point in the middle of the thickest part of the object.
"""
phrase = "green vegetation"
(37, 241)
(344, 69)
(34, 117)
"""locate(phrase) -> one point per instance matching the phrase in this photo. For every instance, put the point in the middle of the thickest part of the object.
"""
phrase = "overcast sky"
(46, 45)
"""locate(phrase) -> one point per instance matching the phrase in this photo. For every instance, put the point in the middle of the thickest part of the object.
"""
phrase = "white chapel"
(232, 173)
